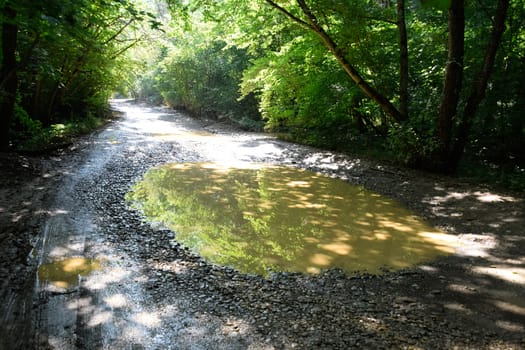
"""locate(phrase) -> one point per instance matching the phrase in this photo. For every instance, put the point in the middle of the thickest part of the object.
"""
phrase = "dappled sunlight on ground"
(469, 201)
(116, 300)
(110, 274)
(147, 319)
(476, 245)
(150, 292)
(507, 273)
(117, 310)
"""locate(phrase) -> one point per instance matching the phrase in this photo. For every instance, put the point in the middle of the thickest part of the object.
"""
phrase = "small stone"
(404, 301)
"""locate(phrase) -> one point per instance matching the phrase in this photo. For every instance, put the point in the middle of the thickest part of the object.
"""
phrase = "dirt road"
(133, 286)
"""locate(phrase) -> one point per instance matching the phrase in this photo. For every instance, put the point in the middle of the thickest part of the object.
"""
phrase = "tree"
(311, 22)
(479, 85)
(452, 82)
(8, 73)
(403, 60)
(436, 81)
(60, 57)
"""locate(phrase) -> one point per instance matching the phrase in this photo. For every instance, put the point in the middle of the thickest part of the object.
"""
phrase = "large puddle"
(259, 219)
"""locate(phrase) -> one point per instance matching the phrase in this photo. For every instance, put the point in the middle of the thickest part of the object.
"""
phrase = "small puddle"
(64, 273)
(259, 219)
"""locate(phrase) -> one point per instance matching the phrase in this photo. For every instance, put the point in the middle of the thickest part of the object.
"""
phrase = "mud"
(151, 292)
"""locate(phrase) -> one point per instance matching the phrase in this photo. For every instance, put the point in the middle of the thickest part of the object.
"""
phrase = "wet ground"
(110, 280)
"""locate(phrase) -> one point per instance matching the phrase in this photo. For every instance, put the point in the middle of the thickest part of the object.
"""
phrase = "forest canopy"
(429, 83)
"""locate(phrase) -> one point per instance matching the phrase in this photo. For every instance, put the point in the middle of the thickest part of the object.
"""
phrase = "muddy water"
(65, 273)
(260, 218)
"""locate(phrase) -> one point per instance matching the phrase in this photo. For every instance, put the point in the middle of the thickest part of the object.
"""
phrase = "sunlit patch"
(147, 319)
(100, 318)
(58, 252)
(511, 307)
(55, 342)
(313, 270)
(488, 197)
(446, 243)
(182, 134)
(507, 273)
(461, 288)
(298, 184)
(381, 236)
(109, 275)
(337, 248)
(58, 212)
(458, 308)
(372, 324)
(396, 225)
(174, 267)
(475, 245)
(320, 259)
(83, 305)
(511, 326)
(427, 268)
(259, 218)
(116, 300)
(65, 273)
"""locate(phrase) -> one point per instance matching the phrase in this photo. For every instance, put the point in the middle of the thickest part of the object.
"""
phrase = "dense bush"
(63, 64)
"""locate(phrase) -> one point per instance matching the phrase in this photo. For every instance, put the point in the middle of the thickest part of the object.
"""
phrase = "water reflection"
(258, 218)
(64, 273)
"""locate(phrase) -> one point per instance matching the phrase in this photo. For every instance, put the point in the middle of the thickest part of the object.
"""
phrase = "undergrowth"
(474, 169)
(30, 136)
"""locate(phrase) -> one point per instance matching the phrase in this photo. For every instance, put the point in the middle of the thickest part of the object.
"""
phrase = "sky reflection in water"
(260, 218)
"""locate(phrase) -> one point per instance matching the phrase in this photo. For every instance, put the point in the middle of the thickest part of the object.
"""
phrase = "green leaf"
(438, 4)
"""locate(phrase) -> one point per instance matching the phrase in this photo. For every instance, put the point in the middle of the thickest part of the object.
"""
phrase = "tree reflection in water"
(261, 218)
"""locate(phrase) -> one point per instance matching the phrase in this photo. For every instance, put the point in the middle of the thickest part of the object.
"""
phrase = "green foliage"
(70, 59)
(436, 4)
(201, 74)
(508, 176)
(304, 94)
(26, 128)
(30, 136)
(303, 91)
(498, 135)
(251, 63)
(411, 146)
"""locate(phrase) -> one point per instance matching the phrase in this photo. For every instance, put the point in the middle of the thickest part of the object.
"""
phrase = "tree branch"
(288, 14)
(119, 31)
(369, 91)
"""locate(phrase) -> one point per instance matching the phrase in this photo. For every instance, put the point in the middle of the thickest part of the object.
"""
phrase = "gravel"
(426, 307)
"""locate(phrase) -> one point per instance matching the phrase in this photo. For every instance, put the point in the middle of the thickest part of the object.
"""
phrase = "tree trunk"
(403, 59)
(480, 84)
(369, 91)
(452, 83)
(312, 24)
(8, 75)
